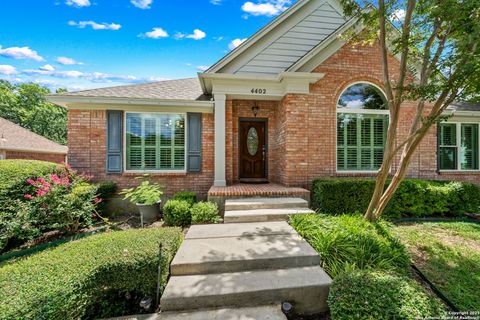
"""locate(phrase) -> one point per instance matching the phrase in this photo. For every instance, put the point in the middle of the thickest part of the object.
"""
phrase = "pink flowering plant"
(61, 200)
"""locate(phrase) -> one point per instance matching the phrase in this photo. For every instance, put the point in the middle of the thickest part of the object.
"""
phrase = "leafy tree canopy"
(26, 105)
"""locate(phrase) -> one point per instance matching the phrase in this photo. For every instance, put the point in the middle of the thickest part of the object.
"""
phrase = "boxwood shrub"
(349, 242)
(380, 295)
(177, 213)
(414, 198)
(189, 196)
(81, 279)
(205, 212)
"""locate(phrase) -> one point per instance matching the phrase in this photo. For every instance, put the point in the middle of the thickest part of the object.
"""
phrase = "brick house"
(293, 103)
(17, 142)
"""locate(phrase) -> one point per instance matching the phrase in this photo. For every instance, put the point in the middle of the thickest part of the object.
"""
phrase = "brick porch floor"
(258, 190)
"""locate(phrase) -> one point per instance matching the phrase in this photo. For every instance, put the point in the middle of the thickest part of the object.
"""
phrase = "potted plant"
(147, 198)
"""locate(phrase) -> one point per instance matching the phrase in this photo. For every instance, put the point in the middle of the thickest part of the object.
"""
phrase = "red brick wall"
(50, 157)
(87, 142)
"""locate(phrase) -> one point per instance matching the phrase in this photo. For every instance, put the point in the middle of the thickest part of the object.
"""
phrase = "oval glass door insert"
(252, 141)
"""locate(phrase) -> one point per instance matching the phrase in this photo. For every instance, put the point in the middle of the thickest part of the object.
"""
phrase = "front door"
(253, 150)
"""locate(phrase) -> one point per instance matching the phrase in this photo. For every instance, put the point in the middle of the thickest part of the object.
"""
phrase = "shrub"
(414, 198)
(349, 242)
(177, 213)
(58, 200)
(205, 212)
(189, 196)
(75, 280)
(379, 295)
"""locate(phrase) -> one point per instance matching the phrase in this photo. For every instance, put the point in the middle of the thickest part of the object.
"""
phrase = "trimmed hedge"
(414, 198)
(75, 280)
(349, 242)
(379, 295)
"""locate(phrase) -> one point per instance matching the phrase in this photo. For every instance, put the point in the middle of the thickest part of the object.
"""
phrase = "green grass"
(349, 242)
(448, 253)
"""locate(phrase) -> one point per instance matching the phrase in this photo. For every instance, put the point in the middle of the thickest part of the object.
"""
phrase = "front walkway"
(259, 264)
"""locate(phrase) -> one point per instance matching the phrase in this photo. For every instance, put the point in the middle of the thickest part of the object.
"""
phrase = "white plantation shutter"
(155, 142)
(469, 147)
(360, 141)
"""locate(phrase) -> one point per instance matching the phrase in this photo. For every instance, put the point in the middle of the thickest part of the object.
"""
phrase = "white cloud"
(156, 33)
(94, 25)
(47, 67)
(399, 15)
(78, 3)
(20, 53)
(196, 35)
(266, 7)
(67, 61)
(142, 4)
(235, 43)
(202, 68)
(7, 69)
(216, 2)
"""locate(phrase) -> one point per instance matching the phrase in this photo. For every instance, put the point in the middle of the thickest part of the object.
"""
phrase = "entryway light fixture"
(255, 109)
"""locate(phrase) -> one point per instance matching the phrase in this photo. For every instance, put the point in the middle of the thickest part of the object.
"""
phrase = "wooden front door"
(253, 150)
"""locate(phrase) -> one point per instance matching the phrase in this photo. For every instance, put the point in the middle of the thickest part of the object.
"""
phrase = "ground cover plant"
(38, 197)
(370, 268)
(373, 295)
(100, 276)
(448, 253)
(349, 242)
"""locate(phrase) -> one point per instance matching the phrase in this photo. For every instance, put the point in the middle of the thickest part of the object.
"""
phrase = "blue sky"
(80, 44)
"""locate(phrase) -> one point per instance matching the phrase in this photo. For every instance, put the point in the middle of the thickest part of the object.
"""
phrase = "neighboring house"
(291, 104)
(19, 143)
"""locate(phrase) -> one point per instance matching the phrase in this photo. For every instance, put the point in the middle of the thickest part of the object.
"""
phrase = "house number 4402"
(258, 91)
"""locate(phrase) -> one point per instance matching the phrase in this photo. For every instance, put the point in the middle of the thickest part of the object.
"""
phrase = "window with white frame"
(458, 146)
(155, 142)
(362, 123)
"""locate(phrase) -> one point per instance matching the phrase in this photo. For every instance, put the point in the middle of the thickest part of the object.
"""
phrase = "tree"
(437, 43)
(26, 105)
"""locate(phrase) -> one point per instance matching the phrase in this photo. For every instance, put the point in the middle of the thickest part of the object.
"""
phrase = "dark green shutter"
(114, 141)
(194, 142)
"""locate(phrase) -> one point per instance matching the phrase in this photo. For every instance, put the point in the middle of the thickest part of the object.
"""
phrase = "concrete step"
(239, 230)
(261, 215)
(264, 203)
(253, 313)
(234, 254)
(305, 287)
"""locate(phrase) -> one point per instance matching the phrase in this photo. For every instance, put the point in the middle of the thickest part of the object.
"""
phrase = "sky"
(83, 44)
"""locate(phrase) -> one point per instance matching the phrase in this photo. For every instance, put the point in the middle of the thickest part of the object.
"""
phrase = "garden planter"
(149, 213)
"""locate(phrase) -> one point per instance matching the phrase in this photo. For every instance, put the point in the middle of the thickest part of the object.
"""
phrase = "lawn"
(448, 253)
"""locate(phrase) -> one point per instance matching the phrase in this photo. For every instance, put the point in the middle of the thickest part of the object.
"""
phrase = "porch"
(258, 190)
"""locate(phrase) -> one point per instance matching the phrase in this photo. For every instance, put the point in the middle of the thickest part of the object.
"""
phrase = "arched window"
(362, 123)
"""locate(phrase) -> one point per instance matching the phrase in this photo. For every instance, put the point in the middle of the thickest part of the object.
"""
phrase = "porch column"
(220, 177)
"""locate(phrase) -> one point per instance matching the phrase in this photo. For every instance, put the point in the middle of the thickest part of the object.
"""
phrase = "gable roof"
(288, 38)
(464, 106)
(181, 89)
(16, 138)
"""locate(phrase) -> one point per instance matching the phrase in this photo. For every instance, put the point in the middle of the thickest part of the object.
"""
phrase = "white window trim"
(356, 111)
(154, 172)
(458, 130)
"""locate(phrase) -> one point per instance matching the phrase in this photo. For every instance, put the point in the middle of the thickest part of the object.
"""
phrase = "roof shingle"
(181, 89)
(14, 137)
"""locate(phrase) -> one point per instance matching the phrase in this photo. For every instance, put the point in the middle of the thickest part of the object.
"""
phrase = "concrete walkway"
(226, 267)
